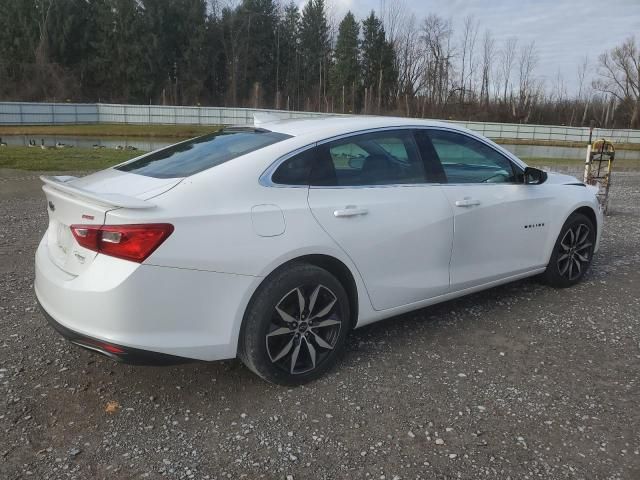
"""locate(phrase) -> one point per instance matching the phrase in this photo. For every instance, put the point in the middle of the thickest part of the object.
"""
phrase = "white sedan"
(272, 242)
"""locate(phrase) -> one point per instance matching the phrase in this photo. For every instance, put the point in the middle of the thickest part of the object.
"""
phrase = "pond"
(138, 143)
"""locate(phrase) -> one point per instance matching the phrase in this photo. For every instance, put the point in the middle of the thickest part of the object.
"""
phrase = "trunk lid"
(86, 201)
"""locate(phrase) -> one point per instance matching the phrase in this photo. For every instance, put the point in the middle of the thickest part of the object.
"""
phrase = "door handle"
(467, 202)
(350, 211)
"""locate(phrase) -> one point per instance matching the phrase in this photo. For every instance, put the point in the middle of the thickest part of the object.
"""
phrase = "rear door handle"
(467, 202)
(350, 211)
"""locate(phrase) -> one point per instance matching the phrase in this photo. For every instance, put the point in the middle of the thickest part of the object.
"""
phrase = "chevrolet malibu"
(271, 242)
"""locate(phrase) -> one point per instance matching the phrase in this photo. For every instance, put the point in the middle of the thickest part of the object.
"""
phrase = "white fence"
(19, 113)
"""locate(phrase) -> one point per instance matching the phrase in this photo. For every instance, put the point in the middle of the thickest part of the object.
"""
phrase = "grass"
(562, 143)
(111, 130)
(68, 159)
(86, 159)
(578, 163)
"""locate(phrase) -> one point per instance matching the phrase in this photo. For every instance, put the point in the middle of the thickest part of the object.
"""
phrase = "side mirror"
(534, 176)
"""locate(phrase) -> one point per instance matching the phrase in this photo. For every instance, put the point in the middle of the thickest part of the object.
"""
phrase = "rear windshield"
(201, 153)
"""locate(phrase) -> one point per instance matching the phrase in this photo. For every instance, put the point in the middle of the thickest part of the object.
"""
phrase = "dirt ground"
(521, 381)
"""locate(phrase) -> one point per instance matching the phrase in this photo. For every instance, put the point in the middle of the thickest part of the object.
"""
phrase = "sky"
(564, 31)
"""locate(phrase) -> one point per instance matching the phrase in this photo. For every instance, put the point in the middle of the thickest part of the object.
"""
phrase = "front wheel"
(572, 253)
(296, 325)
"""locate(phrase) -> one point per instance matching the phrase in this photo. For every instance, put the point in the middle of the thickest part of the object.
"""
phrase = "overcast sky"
(564, 30)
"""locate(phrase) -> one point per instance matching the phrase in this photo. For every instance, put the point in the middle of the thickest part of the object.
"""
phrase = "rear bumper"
(145, 309)
(119, 353)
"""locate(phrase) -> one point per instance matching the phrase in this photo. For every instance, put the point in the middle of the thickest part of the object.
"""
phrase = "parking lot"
(521, 381)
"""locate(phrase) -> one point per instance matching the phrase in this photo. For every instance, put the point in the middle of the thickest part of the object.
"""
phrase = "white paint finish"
(190, 295)
(65, 210)
(400, 239)
(267, 220)
(491, 240)
(175, 311)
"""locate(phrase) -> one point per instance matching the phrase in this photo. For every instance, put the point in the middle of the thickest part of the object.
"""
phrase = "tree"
(507, 57)
(118, 67)
(488, 54)
(347, 63)
(468, 61)
(619, 72)
(314, 49)
(436, 35)
(527, 62)
(378, 63)
(260, 48)
(289, 53)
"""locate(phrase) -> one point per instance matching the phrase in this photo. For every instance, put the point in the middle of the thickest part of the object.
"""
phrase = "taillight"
(129, 242)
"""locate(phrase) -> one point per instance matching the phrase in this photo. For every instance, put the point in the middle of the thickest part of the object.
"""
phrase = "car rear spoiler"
(109, 199)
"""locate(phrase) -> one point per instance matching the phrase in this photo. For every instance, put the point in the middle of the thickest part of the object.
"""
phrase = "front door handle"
(467, 202)
(350, 211)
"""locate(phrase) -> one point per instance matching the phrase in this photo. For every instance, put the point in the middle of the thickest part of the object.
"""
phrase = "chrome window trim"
(266, 181)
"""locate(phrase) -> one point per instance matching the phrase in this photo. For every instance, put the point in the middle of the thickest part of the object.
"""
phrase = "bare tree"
(527, 86)
(583, 68)
(394, 16)
(581, 74)
(410, 59)
(469, 37)
(436, 36)
(488, 54)
(507, 58)
(619, 72)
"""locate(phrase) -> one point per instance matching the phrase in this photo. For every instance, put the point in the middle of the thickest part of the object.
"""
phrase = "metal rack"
(597, 170)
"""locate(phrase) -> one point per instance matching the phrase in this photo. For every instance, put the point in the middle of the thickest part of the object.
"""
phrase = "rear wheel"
(572, 253)
(296, 326)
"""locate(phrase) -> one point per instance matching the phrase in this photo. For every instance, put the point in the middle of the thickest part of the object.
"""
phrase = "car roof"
(327, 126)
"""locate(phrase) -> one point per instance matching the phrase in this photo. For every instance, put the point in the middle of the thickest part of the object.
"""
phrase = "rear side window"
(295, 170)
(201, 153)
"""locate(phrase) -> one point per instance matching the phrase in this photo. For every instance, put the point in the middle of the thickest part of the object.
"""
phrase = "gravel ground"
(521, 381)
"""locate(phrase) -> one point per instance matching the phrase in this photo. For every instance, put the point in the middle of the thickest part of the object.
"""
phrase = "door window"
(381, 158)
(466, 160)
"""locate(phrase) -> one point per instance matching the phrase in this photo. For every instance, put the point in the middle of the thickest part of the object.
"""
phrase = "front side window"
(198, 154)
(382, 158)
(466, 160)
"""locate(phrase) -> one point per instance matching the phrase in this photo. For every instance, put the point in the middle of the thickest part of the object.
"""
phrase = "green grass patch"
(87, 159)
(578, 163)
(66, 159)
(111, 130)
(562, 143)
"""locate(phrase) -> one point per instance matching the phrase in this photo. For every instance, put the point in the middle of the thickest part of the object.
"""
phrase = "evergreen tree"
(117, 68)
(346, 68)
(378, 63)
(260, 21)
(314, 48)
(289, 56)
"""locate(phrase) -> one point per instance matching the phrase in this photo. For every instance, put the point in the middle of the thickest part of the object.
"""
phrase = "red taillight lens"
(129, 242)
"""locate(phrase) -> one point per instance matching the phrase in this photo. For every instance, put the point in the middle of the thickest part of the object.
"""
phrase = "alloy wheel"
(305, 327)
(574, 251)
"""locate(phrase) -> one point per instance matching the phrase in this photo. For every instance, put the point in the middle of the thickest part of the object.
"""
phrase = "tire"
(285, 346)
(572, 252)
